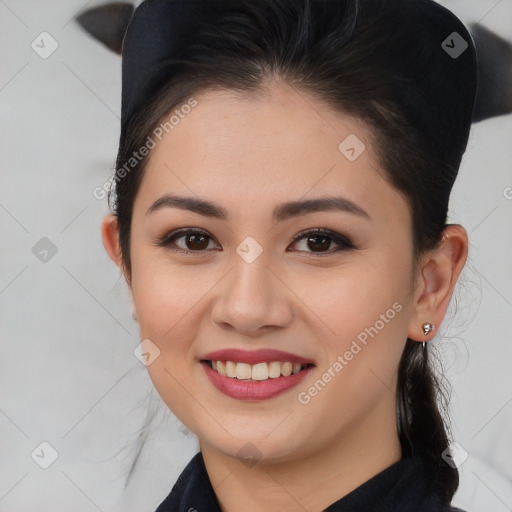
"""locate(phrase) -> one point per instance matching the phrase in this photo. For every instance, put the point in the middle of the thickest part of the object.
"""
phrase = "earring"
(427, 328)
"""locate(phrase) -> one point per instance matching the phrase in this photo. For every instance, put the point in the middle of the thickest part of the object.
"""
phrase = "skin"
(249, 154)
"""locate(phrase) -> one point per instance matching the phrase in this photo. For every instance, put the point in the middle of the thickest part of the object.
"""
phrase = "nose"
(252, 299)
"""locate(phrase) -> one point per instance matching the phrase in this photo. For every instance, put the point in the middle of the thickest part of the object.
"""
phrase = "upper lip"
(264, 355)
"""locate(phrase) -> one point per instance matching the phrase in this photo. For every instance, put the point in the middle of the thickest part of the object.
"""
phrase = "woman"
(279, 213)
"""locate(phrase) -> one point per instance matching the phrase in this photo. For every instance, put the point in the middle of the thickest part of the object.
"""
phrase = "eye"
(197, 242)
(187, 241)
(320, 240)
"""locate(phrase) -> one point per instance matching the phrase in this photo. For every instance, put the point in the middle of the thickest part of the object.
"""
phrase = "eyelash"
(343, 242)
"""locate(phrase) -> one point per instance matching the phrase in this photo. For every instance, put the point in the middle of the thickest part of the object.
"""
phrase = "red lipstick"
(262, 355)
(242, 389)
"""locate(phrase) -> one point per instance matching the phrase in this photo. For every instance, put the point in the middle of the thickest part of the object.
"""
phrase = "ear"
(110, 238)
(438, 276)
(107, 23)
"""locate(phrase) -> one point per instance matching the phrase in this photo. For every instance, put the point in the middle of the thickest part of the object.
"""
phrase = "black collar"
(402, 487)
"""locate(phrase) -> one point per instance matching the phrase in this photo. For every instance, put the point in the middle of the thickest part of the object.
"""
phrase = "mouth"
(256, 372)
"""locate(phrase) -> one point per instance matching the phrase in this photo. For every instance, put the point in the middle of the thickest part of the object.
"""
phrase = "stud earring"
(427, 328)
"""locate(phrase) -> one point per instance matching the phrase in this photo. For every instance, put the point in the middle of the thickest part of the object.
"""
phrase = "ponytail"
(422, 430)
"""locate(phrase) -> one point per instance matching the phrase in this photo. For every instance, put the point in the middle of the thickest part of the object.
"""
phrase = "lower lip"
(253, 389)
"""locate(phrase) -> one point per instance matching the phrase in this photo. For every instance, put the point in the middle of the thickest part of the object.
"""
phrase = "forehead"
(259, 150)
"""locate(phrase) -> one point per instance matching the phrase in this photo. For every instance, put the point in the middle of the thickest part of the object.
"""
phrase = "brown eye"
(320, 241)
(196, 242)
(187, 241)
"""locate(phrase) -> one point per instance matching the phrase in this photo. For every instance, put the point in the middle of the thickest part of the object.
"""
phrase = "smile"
(242, 386)
(256, 372)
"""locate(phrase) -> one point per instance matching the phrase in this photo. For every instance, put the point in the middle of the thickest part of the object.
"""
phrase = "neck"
(308, 483)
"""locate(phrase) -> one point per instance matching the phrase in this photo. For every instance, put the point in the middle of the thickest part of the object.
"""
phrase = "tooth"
(221, 368)
(274, 369)
(230, 369)
(286, 369)
(243, 371)
(259, 371)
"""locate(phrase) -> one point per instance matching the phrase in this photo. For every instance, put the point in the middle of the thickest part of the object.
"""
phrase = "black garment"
(402, 487)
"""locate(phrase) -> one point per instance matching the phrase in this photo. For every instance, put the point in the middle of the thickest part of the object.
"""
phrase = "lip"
(265, 355)
(252, 389)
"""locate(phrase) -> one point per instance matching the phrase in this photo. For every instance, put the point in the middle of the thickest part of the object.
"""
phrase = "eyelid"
(170, 237)
(343, 242)
(323, 231)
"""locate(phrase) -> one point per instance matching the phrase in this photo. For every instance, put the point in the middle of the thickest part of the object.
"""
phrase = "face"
(329, 284)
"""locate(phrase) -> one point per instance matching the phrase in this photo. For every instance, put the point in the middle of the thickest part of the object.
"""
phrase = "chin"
(251, 449)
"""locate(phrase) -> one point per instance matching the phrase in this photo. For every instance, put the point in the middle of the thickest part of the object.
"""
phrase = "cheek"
(364, 319)
(354, 297)
(168, 303)
(164, 294)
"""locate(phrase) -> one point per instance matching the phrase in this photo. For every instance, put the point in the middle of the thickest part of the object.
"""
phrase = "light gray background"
(68, 375)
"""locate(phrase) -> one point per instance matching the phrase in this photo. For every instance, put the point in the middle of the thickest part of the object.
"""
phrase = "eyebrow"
(281, 212)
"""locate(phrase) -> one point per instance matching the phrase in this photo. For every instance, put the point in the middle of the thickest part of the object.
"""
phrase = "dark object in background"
(494, 92)
(108, 23)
